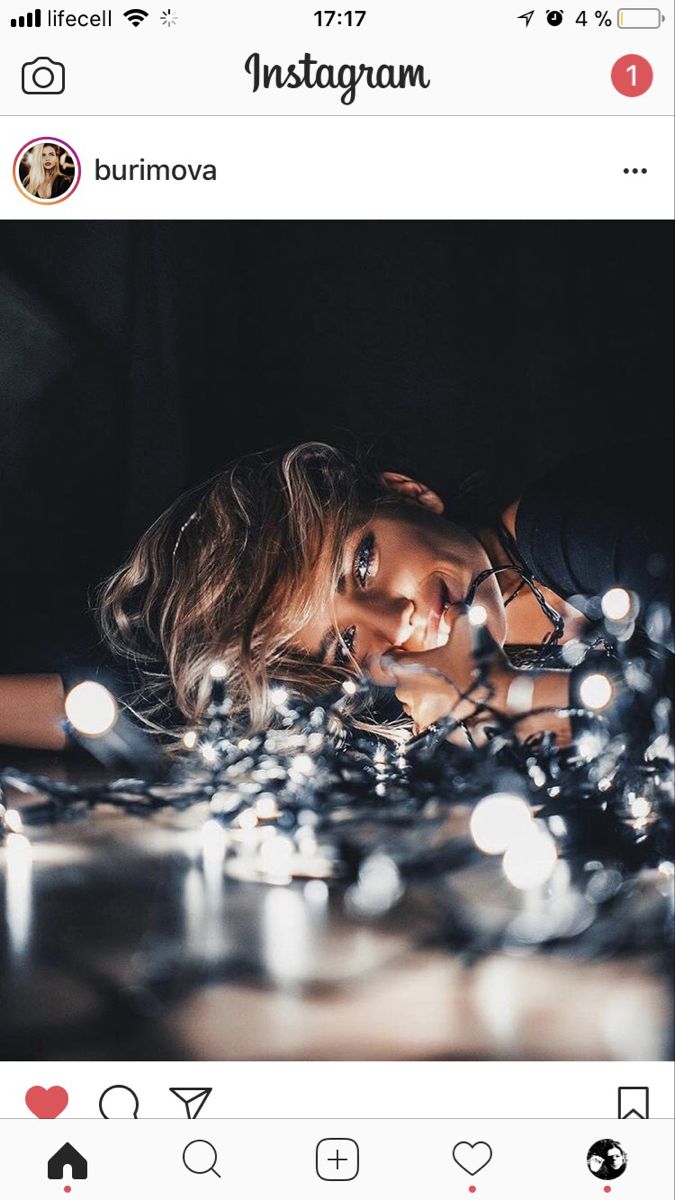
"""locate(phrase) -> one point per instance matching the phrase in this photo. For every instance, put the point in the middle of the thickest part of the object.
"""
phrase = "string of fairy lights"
(579, 831)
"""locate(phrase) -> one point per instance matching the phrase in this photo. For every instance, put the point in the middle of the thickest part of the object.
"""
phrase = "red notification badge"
(632, 75)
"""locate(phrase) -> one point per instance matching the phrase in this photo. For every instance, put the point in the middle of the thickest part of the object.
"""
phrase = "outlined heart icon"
(46, 1103)
(472, 1156)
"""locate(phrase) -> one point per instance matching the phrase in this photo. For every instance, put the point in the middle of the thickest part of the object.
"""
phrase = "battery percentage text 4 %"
(555, 17)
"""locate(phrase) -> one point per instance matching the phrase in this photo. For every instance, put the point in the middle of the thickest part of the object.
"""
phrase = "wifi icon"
(135, 16)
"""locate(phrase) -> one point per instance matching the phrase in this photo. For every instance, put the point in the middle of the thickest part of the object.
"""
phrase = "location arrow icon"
(526, 17)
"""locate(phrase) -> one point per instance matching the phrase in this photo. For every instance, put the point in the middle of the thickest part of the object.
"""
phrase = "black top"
(61, 184)
(602, 521)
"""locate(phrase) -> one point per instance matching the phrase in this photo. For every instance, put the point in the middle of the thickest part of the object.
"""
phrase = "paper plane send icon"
(194, 1099)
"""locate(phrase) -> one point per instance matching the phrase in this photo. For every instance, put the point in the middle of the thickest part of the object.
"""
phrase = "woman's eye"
(364, 560)
(363, 567)
(345, 646)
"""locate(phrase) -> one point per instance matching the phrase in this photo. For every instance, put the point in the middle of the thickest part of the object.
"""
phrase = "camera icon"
(43, 76)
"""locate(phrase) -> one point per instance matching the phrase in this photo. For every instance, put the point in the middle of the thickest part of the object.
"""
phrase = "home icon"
(67, 1156)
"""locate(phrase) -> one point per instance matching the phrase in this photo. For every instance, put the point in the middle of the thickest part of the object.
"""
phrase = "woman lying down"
(306, 567)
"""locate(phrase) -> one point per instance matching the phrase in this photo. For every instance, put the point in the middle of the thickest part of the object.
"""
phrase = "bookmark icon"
(634, 1102)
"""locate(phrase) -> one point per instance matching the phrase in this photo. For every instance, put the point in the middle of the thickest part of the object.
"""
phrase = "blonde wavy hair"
(36, 172)
(231, 572)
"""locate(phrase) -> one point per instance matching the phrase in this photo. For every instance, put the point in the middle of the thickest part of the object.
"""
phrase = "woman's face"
(403, 575)
(49, 158)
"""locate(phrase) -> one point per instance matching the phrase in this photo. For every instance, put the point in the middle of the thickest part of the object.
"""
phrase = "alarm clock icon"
(554, 16)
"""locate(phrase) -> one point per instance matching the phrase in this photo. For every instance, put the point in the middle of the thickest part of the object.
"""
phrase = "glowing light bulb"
(380, 761)
(218, 670)
(537, 776)
(18, 891)
(224, 802)
(214, 840)
(477, 615)
(497, 820)
(247, 819)
(639, 807)
(616, 604)
(316, 892)
(530, 860)
(573, 652)
(13, 821)
(349, 687)
(266, 807)
(595, 691)
(589, 745)
(378, 888)
(275, 855)
(190, 739)
(91, 709)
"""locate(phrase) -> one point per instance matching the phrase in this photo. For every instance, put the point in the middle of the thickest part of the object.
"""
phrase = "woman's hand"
(471, 668)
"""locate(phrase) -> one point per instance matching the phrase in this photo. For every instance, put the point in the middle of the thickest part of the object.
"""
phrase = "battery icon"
(639, 18)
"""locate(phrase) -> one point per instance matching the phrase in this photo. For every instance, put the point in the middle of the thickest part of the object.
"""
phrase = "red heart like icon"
(46, 1103)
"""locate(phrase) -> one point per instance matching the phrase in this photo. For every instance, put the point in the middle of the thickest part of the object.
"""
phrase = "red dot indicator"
(632, 75)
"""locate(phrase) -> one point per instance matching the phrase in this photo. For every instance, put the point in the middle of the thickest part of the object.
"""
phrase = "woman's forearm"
(548, 692)
(31, 711)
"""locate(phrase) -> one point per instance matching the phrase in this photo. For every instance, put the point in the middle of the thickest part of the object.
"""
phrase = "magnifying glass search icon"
(200, 1158)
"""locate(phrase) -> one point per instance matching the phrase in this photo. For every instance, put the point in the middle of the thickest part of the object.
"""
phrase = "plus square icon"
(337, 1159)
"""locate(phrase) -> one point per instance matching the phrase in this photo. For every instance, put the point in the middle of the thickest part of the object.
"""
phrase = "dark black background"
(136, 358)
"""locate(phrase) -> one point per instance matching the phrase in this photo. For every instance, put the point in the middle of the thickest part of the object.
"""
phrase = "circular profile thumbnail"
(606, 1159)
(47, 170)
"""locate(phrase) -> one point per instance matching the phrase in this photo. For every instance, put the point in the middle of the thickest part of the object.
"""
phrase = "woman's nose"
(387, 619)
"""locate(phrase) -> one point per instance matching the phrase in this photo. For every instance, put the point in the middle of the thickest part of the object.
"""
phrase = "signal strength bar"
(30, 21)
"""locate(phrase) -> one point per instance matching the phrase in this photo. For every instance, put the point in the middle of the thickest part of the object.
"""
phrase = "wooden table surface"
(123, 938)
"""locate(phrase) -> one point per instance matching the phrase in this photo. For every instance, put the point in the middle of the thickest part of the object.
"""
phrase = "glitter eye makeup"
(364, 560)
(363, 568)
(345, 646)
